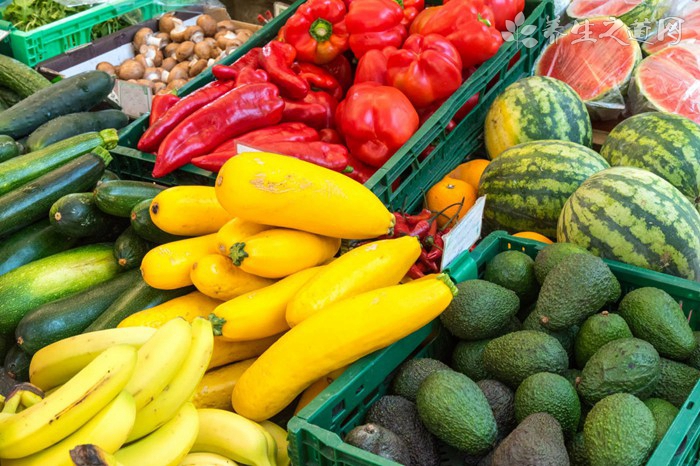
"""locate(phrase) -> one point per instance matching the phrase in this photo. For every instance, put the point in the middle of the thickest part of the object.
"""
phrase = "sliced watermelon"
(674, 31)
(669, 81)
(596, 58)
(629, 11)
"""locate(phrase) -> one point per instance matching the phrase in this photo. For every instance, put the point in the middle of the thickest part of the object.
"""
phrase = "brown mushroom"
(243, 34)
(194, 34)
(208, 25)
(181, 71)
(202, 50)
(168, 63)
(131, 69)
(184, 51)
(152, 74)
(169, 50)
(178, 33)
(210, 62)
(164, 38)
(168, 22)
(153, 53)
(216, 53)
(175, 84)
(145, 82)
(228, 40)
(197, 67)
(226, 25)
(107, 68)
(158, 87)
(210, 40)
(141, 37)
(145, 62)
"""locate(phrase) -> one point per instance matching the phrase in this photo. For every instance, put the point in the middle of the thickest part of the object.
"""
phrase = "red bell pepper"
(316, 110)
(277, 58)
(160, 104)
(373, 65)
(282, 132)
(319, 79)
(375, 121)
(411, 9)
(504, 10)
(242, 109)
(154, 135)
(341, 69)
(330, 135)
(317, 31)
(427, 69)
(374, 24)
(422, 19)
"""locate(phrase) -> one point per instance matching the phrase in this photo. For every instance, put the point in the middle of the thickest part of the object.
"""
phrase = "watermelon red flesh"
(588, 8)
(688, 30)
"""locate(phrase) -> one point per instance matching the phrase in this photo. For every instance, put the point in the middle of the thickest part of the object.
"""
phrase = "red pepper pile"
(300, 96)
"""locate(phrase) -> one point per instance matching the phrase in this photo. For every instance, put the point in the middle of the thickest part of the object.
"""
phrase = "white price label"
(134, 99)
(241, 148)
(465, 234)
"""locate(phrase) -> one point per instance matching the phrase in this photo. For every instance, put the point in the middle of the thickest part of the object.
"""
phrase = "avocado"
(467, 359)
(513, 326)
(664, 413)
(571, 375)
(627, 365)
(479, 310)
(412, 373)
(653, 315)
(537, 441)
(400, 416)
(566, 337)
(551, 255)
(380, 441)
(676, 382)
(694, 358)
(514, 357)
(576, 288)
(545, 392)
(501, 399)
(456, 411)
(576, 448)
(596, 331)
(619, 431)
(514, 270)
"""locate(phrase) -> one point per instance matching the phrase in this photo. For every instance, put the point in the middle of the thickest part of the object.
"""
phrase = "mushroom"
(216, 52)
(210, 62)
(145, 62)
(152, 74)
(208, 25)
(168, 63)
(164, 38)
(243, 34)
(226, 25)
(181, 71)
(158, 87)
(169, 50)
(228, 40)
(168, 22)
(153, 53)
(184, 51)
(178, 33)
(197, 67)
(175, 84)
(194, 34)
(202, 50)
(145, 36)
(131, 69)
(107, 68)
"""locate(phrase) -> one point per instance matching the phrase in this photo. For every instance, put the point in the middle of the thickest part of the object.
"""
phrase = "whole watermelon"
(535, 109)
(634, 216)
(527, 185)
(662, 143)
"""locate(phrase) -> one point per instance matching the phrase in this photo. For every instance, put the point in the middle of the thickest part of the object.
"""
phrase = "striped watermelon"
(631, 12)
(662, 143)
(683, 25)
(535, 109)
(634, 216)
(527, 185)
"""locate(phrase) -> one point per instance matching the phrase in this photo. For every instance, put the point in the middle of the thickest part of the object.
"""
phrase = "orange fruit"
(470, 171)
(534, 236)
(451, 192)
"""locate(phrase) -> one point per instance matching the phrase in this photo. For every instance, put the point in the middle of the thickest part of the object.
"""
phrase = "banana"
(280, 436)
(107, 429)
(181, 388)
(159, 359)
(233, 436)
(92, 455)
(66, 410)
(53, 365)
(167, 445)
(206, 459)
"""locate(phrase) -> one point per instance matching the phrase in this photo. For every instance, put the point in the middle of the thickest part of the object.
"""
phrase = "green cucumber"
(78, 93)
(31, 243)
(119, 197)
(8, 148)
(108, 175)
(29, 203)
(76, 214)
(20, 78)
(51, 278)
(24, 168)
(139, 297)
(67, 126)
(129, 249)
(69, 316)
(9, 96)
(146, 229)
(17, 364)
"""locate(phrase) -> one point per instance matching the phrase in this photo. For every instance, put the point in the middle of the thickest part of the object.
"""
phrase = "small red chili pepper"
(415, 272)
(319, 79)
(251, 75)
(277, 58)
(323, 154)
(433, 228)
(161, 103)
(282, 132)
(401, 226)
(435, 253)
(420, 229)
(317, 110)
(224, 72)
(431, 266)
(425, 214)
(330, 135)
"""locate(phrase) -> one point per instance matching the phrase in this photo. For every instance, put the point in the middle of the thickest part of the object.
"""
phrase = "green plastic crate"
(315, 433)
(417, 173)
(53, 39)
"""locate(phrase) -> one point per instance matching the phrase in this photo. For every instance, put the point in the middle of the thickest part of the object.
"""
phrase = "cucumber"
(31, 243)
(78, 93)
(24, 168)
(51, 278)
(6, 342)
(9, 96)
(29, 203)
(70, 316)
(67, 126)
(108, 175)
(129, 249)
(8, 148)
(76, 214)
(139, 297)
(3, 105)
(119, 197)
(20, 78)
(17, 364)
(146, 229)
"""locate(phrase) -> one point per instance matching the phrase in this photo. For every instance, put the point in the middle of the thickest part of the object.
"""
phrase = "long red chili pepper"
(277, 58)
(323, 154)
(320, 79)
(224, 72)
(161, 103)
(316, 110)
(283, 132)
(330, 135)
(251, 75)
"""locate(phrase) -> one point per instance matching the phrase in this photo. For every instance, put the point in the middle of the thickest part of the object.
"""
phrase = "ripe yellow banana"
(206, 459)
(66, 410)
(92, 455)
(159, 359)
(233, 436)
(181, 388)
(53, 365)
(280, 436)
(167, 445)
(107, 429)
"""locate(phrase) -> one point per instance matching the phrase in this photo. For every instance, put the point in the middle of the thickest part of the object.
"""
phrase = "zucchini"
(31, 243)
(8, 148)
(108, 175)
(146, 229)
(139, 297)
(9, 96)
(6, 342)
(76, 214)
(20, 78)
(129, 249)
(119, 197)
(67, 126)
(24, 168)
(70, 316)
(51, 278)
(29, 203)
(3, 105)
(17, 364)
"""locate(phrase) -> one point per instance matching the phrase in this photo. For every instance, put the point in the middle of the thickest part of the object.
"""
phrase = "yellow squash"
(226, 352)
(316, 388)
(368, 267)
(339, 335)
(217, 277)
(188, 211)
(283, 191)
(188, 307)
(260, 313)
(281, 252)
(214, 390)
(235, 231)
(168, 266)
